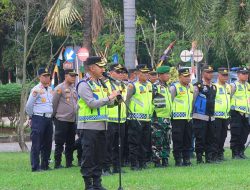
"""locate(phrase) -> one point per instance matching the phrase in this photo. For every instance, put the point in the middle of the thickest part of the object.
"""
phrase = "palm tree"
(65, 12)
(222, 25)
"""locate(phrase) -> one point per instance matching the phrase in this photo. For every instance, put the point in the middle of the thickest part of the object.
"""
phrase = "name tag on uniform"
(96, 90)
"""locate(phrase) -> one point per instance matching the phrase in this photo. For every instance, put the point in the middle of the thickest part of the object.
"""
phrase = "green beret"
(163, 69)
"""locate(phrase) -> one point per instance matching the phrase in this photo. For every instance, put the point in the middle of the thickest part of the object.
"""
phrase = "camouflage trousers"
(161, 139)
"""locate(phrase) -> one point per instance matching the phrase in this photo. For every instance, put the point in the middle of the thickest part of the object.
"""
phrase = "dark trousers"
(125, 147)
(93, 146)
(182, 138)
(64, 135)
(112, 144)
(239, 131)
(41, 137)
(221, 126)
(205, 138)
(78, 148)
(139, 139)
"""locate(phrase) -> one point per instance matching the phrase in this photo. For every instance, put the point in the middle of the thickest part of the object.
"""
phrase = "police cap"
(184, 72)
(143, 68)
(43, 71)
(207, 68)
(223, 70)
(243, 70)
(95, 60)
(70, 72)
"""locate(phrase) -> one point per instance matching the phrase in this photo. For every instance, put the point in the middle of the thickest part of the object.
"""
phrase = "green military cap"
(163, 69)
(223, 70)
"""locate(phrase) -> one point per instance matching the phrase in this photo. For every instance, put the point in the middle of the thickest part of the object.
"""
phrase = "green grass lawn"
(15, 174)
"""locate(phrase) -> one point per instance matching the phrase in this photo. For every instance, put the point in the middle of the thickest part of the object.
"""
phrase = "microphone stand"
(120, 100)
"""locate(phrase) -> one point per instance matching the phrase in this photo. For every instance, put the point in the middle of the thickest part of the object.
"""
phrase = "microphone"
(105, 74)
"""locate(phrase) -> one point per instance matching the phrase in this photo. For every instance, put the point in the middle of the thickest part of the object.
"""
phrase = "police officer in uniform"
(39, 109)
(152, 76)
(203, 117)
(117, 71)
(92, 117)
(222, 109)
(64, 111)
(161, 134)
(182, 97)
(139, 99)
(239, 114)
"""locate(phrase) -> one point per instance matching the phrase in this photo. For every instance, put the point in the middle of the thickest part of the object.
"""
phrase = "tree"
(221, 25)
(65, 12)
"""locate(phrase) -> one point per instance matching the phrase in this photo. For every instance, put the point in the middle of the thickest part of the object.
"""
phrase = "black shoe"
(242, 155)
(45, 168)
(36, 170)
(164, 162)
(97, 183)
(186, 162)
(158, 165)
(58, 166)
(178, 162)
(199, 158)
(142, 165)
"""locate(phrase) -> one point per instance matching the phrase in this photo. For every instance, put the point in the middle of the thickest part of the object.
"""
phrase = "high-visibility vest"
(162, 101)
(113, 111)
(85, 113)
(240, 99)
(182, 103)
(222, 101)
(141, 102)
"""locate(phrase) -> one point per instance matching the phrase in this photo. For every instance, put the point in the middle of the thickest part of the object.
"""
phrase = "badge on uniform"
(221, 91)
(34, 93)
(43, 100)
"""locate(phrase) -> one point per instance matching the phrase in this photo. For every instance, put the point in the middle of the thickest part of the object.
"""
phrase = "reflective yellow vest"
(85, 113)
(182, 103)
(113, 111)
(222, 101)
(141, 102)
(164, 112)
(240, 100)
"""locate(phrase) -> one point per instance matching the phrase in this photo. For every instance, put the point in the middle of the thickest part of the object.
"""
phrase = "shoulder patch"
(59, 91)
(34, 93)
(130, 86)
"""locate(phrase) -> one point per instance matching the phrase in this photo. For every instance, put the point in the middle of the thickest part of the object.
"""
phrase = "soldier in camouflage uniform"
(161, 128)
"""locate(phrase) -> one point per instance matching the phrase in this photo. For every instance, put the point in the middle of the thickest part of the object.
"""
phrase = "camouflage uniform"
(161, 139)
(161, 127)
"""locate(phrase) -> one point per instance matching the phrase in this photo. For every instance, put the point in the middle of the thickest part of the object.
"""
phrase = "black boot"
(178, 162)
(58, 165)
(97, 183)
(242, 155)
(157, 164)
(164, 162)
(199, 158)
(186, 162)
(235, 154)
(88, 183)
